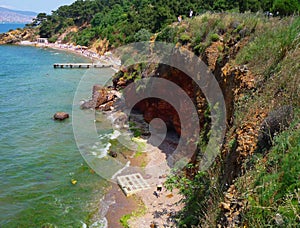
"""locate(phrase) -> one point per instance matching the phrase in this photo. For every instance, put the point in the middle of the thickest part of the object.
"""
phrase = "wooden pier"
(81, 65)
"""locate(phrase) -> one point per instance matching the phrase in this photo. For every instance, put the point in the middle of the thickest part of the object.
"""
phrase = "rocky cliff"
(260, 95)
(18, 35)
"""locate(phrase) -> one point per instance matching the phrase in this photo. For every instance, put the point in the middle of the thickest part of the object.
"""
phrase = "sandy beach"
(148, 206)
(107, 58)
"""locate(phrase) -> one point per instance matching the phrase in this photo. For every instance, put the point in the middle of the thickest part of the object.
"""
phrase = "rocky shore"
(147, 206)
(144, 208)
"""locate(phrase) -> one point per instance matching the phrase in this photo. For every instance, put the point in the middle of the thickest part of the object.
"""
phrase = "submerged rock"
(60, 116)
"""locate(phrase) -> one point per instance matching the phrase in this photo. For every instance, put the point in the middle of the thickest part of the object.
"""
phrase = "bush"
(214, 37)
(53, 39)
(185, 38)
(275, 189)
(167, 35)
(142, 35)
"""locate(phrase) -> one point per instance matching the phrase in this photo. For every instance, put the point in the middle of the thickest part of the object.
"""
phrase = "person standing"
(179, 19)
(191, 13)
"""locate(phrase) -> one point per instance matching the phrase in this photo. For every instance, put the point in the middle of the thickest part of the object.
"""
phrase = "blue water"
(38, 156)
(6, 27)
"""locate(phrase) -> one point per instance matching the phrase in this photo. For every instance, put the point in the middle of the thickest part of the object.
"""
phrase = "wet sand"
(121, 205)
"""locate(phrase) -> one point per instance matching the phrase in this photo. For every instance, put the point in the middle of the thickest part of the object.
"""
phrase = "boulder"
(275, 122)
(101, 95)
(60, 116)
(107, 106)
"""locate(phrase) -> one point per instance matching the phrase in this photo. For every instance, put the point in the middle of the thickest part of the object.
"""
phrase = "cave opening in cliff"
(158, 117)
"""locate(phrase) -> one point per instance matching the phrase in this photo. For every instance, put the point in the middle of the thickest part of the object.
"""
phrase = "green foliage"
(121, 21)
(124, 220)
(286, 7)
(275, 189)
(53, 39)
(195, 191)
(136, 131)
(84, 37)
(142, 35)
(270, 47)
(168, 35)
(184, 38)
(139, 212)
(214, 37)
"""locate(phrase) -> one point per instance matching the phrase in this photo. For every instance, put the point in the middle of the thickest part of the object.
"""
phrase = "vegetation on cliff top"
(247, 187)
(124, 21)
(256, 61)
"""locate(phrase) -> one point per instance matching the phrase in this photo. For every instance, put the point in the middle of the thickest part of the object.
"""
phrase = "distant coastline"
(16, 16)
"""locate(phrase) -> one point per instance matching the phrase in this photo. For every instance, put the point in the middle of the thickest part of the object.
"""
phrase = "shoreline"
(114, 203)
(145, 207)
(107, 58)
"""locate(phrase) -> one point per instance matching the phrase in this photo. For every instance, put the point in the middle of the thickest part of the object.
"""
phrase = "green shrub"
(167, 35)
(53, 39)
(184, 38)
(214, 37)
(142, 35)
(275, 187)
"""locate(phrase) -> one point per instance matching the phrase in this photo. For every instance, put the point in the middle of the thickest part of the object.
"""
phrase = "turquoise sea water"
(38, 156)
(6, 27)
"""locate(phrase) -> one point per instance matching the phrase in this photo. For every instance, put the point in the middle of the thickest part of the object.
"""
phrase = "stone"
(120, 119)
(274, 123)
(60, 116)
(107, 106)
(113, 154)
(88, 104)
(101, 96)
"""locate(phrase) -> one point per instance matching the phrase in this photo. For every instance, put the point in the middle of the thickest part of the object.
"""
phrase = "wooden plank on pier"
(81, 65)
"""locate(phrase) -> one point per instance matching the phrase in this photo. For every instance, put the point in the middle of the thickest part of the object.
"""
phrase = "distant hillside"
(8, 15)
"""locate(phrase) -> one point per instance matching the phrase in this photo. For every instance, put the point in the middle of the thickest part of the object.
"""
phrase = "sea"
(5, 27)
(44, 180)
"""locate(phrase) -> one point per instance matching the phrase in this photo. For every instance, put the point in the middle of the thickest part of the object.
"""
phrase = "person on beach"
(159, 187)
(158, 190)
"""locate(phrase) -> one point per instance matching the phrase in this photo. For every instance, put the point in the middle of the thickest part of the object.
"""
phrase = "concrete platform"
(132, 183)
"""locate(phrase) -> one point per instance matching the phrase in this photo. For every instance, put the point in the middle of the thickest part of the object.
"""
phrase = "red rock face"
(158, 108)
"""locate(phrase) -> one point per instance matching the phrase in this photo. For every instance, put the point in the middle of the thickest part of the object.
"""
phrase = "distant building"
(42, 41)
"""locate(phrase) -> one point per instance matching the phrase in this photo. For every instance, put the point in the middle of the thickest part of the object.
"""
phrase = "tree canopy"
(122, 21)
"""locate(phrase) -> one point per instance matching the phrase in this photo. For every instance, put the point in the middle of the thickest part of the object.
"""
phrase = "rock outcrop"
(60, 116)
(102, 99)
(17, 36)
(275, 122)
